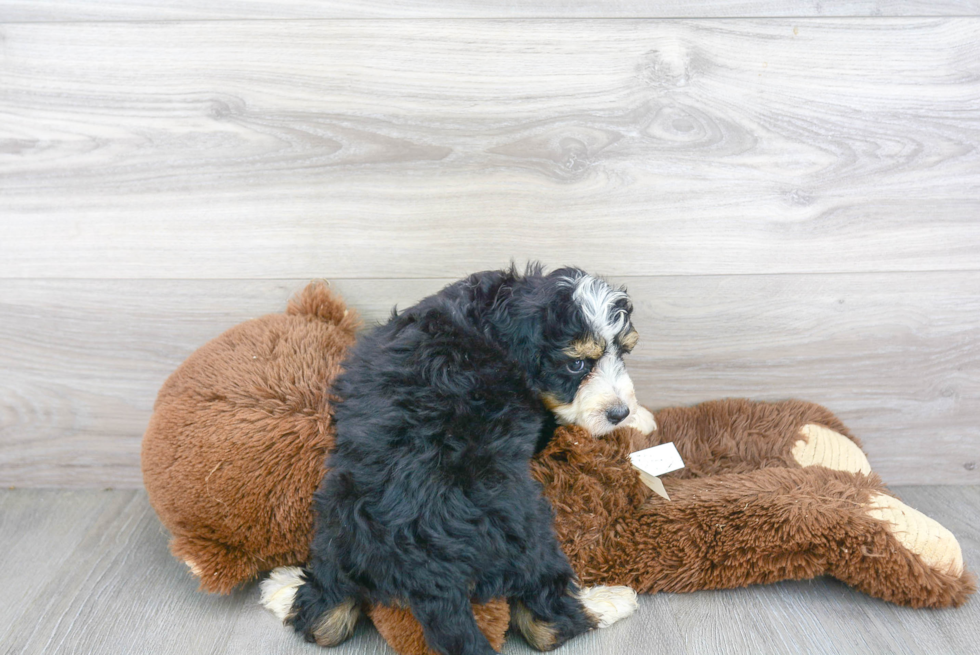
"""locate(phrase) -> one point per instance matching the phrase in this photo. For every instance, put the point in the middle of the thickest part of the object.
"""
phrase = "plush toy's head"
(236, 444)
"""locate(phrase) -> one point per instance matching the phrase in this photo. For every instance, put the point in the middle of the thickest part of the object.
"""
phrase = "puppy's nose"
(617, 413)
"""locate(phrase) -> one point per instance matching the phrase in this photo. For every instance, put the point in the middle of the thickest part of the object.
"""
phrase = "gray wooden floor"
(89, 572)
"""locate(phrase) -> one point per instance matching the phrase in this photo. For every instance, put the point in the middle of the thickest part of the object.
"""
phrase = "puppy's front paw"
(642, 419)
(279, 590)
(608, 604)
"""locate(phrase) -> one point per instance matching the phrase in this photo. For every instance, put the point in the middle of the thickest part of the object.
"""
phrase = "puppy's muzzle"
(604, 400)
(617, 413)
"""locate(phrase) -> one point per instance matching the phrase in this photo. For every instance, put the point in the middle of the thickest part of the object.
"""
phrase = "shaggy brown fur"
(236, 445)
(730, 529)
(238, 436)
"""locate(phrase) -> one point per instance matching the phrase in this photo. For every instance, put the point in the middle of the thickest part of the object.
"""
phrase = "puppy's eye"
(576, 366)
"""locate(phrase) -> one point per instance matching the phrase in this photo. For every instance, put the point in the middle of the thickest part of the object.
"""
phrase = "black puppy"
(428, 501)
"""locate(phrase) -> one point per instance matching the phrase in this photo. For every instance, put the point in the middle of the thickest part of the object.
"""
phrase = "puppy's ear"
(514, 307)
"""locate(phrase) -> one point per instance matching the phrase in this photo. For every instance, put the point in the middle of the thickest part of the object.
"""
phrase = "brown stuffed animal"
(238, 436)
(771, 491)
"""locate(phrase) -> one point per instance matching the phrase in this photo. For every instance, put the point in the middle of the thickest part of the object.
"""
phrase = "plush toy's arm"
(780, 523)
(752, 507)
(739, 436)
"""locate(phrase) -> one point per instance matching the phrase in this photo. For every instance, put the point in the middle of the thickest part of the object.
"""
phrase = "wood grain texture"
(89, 572)
(897, 356)
(116, 10)
(431, 148)
(793, 201)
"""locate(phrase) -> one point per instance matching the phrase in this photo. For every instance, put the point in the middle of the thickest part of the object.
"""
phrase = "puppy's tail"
(319, 302)
(294, 596)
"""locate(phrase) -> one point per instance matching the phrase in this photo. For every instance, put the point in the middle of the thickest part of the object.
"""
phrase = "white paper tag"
(653, 483)
(655, 461)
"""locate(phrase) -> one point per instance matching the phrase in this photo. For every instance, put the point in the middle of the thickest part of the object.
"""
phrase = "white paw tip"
(608, 604)
(279, 590)
(642, 419)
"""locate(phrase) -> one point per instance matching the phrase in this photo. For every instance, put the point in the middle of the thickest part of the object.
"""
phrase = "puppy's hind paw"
(608, 604)
(279, 590)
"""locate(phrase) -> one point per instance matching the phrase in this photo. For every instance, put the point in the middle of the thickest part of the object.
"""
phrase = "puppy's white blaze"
(608, 604)
(597, 301)
(279, 590)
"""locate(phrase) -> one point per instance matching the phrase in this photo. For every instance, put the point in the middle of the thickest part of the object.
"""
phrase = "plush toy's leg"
(404, 634)
(738, 436)
(449, 625)
(906, 557)
(780, 523)
(935, 545)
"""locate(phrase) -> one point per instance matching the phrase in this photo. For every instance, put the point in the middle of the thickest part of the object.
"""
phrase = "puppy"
(428, 501)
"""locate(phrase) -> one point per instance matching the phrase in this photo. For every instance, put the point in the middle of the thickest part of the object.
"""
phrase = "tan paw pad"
(822, 446)
(934, 544)
(336, 625)
(539, 634)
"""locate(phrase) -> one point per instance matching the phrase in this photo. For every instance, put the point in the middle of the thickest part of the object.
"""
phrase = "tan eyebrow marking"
(629, 341)
(589, 348)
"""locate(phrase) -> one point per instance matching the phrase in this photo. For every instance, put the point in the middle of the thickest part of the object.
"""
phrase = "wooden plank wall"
(790, 190)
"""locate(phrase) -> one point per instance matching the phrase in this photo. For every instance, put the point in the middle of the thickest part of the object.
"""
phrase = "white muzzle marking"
(607, 386)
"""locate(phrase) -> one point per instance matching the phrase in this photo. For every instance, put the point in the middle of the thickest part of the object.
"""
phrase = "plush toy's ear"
(317, 302)
(403, 633)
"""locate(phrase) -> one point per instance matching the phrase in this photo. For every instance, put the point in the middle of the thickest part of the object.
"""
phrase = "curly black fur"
(428, 500)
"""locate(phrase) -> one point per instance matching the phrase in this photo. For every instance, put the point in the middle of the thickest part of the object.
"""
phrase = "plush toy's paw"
(642, 419)
(279, 590)
(820, 446)
(935, 545)
(608, 604)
